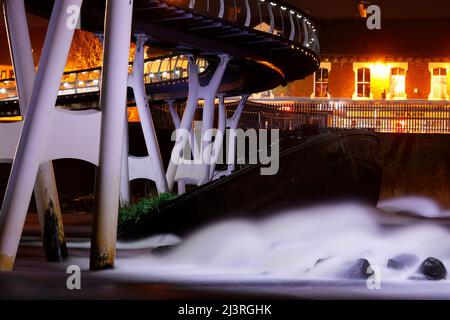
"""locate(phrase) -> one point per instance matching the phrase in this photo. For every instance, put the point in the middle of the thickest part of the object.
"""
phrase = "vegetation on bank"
(146, 206)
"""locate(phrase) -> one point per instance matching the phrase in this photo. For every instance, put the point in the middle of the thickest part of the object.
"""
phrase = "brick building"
(408, 59)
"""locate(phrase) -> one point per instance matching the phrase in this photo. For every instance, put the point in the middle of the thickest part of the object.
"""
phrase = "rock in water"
(163, 250)
(402, 261)
(433, 269)
(395, 264)
(358, 270)
(319, 261)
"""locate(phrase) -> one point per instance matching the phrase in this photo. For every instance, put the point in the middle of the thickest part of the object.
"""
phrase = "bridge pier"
(194, 173)
(218, 141)
(230, 124)
(45, 191)
(233, 123)
(150, 167)
(125, 192)
(30, 149)
(113, 98)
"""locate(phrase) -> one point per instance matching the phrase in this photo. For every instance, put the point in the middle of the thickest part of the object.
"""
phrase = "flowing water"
(298, 253)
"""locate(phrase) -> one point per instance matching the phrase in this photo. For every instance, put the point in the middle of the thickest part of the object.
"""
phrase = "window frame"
(364, 83)
(442, 66)
(403, 96)
(323, 66)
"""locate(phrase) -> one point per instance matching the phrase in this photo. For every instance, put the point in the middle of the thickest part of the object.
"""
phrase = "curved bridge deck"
(267, 40)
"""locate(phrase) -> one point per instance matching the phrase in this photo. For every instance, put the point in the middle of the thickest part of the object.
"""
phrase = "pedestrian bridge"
(218, 48)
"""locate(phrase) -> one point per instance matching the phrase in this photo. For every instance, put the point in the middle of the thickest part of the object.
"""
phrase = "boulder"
(402, 261)
(395, 264)
(358, 270)
(433, 269)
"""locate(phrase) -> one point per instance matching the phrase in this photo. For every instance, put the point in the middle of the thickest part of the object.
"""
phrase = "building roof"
(407, 38)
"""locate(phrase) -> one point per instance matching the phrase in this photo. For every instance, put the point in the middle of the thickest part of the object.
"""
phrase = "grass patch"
(147, 206)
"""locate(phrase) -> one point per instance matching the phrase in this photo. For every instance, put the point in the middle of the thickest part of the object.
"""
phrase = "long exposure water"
(310, 252)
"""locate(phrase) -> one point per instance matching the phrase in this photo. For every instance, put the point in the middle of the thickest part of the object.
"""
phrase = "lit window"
(363, 83)
(321, 83)
(439, 84)
(397, 83)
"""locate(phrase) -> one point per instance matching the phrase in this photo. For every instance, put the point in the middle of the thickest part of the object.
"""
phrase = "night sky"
(347, 8)
(389, 8)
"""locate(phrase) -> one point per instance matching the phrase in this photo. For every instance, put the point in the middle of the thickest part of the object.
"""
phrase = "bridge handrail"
(89, 80)
(274, 17)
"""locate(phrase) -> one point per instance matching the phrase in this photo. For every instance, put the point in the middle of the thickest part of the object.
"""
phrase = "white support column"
(198, 173)
(218, 141)
(186, 120)
(45, 191)
(125, 195)
(153, 167)
(232, 123)
(174, 114)
(208, 93)
(112, 101)
(176, 122)
(35, 129)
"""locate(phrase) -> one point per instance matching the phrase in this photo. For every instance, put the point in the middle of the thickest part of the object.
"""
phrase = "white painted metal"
(197, 173)
(20, 49)
(113, 104)
(35, 130)
(188, 116)
(9, 136)
(136, 81)
(125, 195)
(218, 141)
(73, 134)
(272, 20)
(221, 9)
(45, 190)
(248, 16)
(174, 114)
(305, 32)
(232, 124)
(208, 93)
(291, 20)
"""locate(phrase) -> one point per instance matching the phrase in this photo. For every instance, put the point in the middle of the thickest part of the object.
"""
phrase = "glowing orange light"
(11, 119)
(272, 66)
(381, 70)
(133, 115)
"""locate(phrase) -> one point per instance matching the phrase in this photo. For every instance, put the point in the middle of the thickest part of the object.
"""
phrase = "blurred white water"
(289, 244)
(414, 205)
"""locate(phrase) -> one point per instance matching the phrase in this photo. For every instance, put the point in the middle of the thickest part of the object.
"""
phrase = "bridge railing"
(313, 116)
(274, 17)
(408, 116)
(160, 69)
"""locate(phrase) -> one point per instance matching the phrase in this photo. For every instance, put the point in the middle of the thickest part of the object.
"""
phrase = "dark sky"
(389, 8)
(347, 8)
